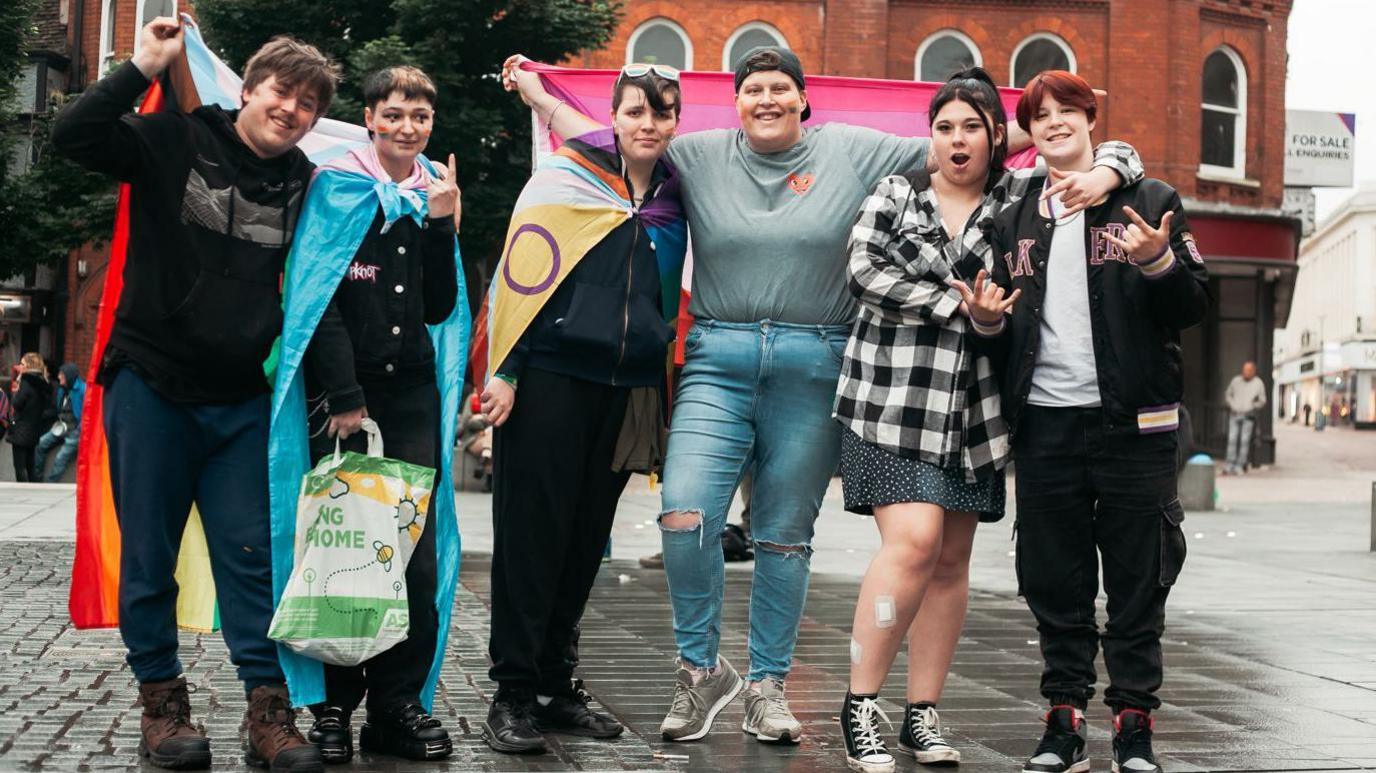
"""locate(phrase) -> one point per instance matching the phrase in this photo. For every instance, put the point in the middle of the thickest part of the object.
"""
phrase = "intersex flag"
(197, 78)
(708, 102)
(576, 197)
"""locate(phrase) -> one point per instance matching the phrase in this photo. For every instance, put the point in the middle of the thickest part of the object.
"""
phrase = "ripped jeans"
(758, 393)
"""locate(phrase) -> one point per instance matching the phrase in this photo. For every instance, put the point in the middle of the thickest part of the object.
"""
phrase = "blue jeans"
(751, 393)
(69, 442)
(1239, 440)
(164, 457)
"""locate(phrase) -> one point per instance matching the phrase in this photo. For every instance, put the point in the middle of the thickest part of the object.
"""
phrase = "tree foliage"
(461, 45)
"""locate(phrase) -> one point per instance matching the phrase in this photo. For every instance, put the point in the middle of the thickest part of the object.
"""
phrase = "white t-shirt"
(1065, 375)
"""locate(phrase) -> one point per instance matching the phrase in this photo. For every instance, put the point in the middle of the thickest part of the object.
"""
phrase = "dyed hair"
(34, 361)
(1068, 89)
(974, 87)
(656, 89)
(410, 81)
(294, 64)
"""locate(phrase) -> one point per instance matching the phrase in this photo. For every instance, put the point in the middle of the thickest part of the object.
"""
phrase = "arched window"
(944, 53)
(660, 41)
(1223, 133)
(150, 10)
(746, 37)
(1042, 51)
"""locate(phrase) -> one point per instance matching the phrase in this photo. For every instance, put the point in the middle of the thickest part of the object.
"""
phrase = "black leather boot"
(568, 713)
(405, 730)
(332, 734)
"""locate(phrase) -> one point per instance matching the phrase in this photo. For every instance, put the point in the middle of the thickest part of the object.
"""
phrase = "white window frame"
(107, 23)
(1238, 171)
(138, 21)
(671, 24)
(770, 29)
(1054, 38)
(935, 36)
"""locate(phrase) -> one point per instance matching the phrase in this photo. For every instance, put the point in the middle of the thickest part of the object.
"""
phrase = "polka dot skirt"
(873, 477)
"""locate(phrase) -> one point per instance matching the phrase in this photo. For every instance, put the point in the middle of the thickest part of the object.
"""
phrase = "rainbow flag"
(197, 78)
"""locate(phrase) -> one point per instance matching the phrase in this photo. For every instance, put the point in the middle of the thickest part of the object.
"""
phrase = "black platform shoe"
(405, 730)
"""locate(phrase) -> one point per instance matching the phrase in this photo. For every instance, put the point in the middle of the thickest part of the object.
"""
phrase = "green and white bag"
(358, 520)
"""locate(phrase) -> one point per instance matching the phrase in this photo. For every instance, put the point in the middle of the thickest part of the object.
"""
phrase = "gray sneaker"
(696, 705)
(767, 716)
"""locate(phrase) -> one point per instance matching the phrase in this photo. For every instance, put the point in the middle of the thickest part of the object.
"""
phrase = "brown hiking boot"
(168, 739)
(273, 740)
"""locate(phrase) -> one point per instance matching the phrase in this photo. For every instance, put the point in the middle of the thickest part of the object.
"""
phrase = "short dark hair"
(1068, 89)
(974, 87)
(294, 63)
(656, 90)
(411, 82)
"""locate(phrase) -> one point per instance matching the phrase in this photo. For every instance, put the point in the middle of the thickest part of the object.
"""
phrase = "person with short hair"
(214, 196)
(1090, 368)
(65, 433)
(365, 312)
(31, 405)
(1245, 396)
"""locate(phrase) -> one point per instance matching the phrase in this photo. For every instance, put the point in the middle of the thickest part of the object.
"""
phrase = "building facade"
(1196, 85)
(1326, 355)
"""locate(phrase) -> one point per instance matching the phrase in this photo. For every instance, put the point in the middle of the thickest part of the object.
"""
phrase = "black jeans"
(553, 501)
(24, 464)
(409, 418)
(1082, 489)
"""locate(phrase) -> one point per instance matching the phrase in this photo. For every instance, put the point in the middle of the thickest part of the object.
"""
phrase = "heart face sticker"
(800, 184)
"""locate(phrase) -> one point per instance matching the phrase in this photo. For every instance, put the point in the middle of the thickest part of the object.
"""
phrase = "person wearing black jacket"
(213, 196)
(371, 356)
(32, 405)
(597, 347)
(1090, 367)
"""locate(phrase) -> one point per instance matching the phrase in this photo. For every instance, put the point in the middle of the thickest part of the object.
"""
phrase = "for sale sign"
(1318, 148)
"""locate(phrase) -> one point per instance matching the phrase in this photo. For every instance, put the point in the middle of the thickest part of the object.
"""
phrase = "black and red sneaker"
(1062, 748)
(1132, 742)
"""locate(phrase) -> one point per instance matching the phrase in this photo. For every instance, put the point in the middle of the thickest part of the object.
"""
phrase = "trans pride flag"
(199, 78)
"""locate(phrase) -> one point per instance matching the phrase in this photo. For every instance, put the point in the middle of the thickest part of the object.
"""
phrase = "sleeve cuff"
(948, 305)
(439, 226)
(987, 331)
(1159, 266)
(350, 399)
(507, 378)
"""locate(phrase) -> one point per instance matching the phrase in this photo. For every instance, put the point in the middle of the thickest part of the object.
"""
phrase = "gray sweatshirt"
(1244, 396)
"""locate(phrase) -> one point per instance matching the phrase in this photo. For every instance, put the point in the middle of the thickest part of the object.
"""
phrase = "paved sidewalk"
(1270, 661)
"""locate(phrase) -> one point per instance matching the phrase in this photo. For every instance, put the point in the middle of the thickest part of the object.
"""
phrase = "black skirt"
(873, 477)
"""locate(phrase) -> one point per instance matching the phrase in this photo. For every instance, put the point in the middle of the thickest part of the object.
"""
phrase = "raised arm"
(561, 117)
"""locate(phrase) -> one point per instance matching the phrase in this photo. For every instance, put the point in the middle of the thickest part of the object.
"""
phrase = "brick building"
(1196, 85)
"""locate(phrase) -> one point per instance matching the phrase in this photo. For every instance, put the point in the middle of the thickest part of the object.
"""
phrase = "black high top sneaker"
(405, 730)
(1132, 742)
(1062, 749)
(865, 750)
(921, 737)
(332, 734)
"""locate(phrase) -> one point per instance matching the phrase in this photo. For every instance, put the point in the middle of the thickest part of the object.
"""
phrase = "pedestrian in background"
(65, 432)
(1245, 396)
(32, 405)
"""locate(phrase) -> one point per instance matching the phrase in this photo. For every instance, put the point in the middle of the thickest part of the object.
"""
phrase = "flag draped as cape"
(575, 198)
(340, 206)
(196, 78)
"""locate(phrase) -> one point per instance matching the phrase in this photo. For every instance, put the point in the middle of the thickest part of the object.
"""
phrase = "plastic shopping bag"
(358, 519)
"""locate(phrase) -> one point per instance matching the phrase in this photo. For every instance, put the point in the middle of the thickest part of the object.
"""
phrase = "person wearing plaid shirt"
(925, 444)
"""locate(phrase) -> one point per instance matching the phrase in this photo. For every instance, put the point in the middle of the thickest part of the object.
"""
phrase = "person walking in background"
(65, 433)
(32, 402)
(1246, 396)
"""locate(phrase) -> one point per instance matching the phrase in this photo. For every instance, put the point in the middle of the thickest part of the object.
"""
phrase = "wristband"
(511, 380)
(1159, 264)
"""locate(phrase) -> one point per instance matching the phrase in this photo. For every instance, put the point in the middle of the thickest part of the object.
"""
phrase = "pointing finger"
(1136, 218)
(453, 175)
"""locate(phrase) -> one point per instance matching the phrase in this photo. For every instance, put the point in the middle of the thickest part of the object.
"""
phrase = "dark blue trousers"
(165, 456)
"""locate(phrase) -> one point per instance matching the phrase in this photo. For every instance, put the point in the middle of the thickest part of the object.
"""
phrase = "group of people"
(39, 415)
(968, 315)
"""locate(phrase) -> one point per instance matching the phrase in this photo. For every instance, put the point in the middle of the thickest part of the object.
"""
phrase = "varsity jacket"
(910, 382)
(1136, 311)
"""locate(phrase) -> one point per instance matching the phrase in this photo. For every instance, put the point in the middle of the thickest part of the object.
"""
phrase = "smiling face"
(275, 117)
(1061, 133)
(401, 127)
(642, 132)
(961, 145)
(770, 107)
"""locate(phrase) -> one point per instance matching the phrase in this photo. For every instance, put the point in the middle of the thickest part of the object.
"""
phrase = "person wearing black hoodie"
(65, 432)
(31, 417)
(213, 196)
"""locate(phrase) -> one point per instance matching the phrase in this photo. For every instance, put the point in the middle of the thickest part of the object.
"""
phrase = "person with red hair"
(1090, 366)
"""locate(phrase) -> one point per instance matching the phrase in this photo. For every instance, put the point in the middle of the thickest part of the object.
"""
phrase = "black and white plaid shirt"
(911, 383)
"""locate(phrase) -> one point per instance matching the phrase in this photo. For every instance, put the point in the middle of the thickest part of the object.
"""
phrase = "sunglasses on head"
(640, 70)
